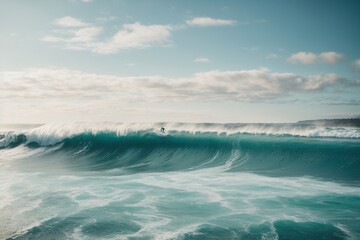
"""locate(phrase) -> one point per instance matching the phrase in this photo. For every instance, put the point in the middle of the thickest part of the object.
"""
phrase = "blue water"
(195, 181)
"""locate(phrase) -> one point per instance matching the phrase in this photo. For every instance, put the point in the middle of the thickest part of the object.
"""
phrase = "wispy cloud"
(251, 49)
(106, 18)
(78, 35)
(272, 56)
(75, 36)
(201, 60)
(303, 57)
(134, 35)
(357, 64)
(330, 57)
(70, 22)
(257, 85)
(86, 34)
(311, 58)
(209, 22)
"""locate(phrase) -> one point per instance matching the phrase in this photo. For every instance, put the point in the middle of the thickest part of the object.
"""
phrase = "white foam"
(8, 138)
(233, 194)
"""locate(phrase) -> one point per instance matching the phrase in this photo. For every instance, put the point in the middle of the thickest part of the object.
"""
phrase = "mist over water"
(195, 181)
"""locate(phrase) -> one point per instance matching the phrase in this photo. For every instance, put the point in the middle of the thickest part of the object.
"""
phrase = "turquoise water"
(196, 181)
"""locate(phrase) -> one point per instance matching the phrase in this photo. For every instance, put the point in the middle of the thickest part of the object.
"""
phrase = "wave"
(132, 148)
(195, 181)
(54, 133)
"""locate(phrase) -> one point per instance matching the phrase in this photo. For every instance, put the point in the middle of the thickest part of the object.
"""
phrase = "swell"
(51, 134)
(134, 152)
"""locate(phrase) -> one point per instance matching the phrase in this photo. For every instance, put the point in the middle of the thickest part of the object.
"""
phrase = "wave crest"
(51, 134)
(127, 148)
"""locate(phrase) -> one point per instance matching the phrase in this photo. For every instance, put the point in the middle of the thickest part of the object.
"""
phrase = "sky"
(178, 61)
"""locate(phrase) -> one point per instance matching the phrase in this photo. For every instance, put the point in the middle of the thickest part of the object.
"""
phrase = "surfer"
(162, 129)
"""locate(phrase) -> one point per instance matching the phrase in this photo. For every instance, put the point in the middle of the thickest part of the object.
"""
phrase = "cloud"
(77, 35)
(311, 58)
(303, 57)
(357, 64)
(75, 38)
(207, 21)
(257, 85)
(134, 35)
(73, 33)
(331, 57)
(106, 18)
(201, 60)
(70, 22)
(86, 34)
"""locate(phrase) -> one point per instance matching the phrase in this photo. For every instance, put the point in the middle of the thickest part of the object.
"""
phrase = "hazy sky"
(182, 61)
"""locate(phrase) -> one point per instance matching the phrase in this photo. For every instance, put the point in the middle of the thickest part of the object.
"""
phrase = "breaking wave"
(129, 148)
(53, 133)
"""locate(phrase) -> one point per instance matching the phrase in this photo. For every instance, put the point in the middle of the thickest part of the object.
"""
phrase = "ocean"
(194, 181)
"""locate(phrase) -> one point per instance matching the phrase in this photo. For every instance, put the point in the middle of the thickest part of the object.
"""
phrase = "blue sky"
(192, 61)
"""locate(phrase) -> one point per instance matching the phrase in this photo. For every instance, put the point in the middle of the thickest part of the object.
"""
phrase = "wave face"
(54, 133)
(254, 181)
(129, 149)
